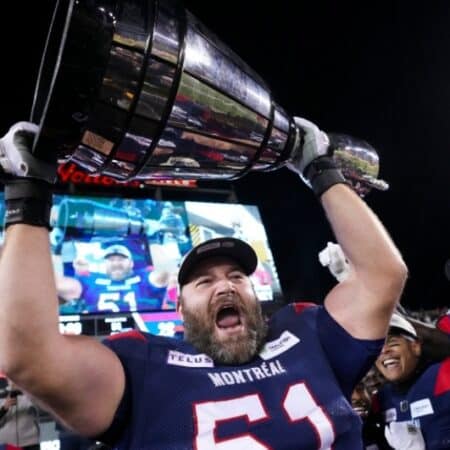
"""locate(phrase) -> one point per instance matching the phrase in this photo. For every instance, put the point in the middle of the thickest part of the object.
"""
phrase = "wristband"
(323, 173)
(28, 201)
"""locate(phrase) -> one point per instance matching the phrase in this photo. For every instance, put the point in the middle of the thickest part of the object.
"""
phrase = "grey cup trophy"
(140, 89)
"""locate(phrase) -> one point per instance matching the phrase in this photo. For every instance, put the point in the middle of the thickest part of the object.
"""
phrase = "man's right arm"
(76, 378)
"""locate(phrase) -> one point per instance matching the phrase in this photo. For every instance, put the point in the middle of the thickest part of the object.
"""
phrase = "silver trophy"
(140, 90)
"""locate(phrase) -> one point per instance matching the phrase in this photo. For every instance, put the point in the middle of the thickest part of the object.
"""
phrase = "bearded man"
(236, 381)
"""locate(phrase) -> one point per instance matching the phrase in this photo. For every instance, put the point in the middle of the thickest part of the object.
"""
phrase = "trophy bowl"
(142, 90)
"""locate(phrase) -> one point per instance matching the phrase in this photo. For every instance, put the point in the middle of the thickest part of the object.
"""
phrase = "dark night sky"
(376, 70)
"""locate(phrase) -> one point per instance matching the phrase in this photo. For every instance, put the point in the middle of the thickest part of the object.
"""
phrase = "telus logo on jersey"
(187, 360)
(279, 346)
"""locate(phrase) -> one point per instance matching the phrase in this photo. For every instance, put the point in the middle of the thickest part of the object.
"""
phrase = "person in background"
(372, 428)
(415, 399)
(19, 420)
(236, 380)
(373, 380)
(411, 346)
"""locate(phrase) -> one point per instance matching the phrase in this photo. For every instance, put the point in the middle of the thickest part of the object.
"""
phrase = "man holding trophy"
(152, 99)
(302, 364)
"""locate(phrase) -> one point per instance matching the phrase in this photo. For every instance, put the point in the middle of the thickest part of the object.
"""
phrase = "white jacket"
(20, 425)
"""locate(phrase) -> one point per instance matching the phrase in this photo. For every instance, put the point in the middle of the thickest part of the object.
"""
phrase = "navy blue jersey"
(426, 403)
(133, 293)
(293, 395)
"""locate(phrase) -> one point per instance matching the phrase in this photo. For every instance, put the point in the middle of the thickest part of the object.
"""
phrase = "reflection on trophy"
(140, 89)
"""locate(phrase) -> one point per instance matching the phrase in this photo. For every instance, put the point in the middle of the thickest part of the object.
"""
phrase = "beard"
(200, 331)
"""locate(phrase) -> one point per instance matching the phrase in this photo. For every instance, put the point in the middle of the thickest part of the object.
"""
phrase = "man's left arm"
(363, 303)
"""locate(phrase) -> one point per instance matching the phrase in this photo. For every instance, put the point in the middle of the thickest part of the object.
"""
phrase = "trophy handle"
(358, 161)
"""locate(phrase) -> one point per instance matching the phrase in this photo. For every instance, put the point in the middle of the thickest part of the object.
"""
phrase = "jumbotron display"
(119, 257)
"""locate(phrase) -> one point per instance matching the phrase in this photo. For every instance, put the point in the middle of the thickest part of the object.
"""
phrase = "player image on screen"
(118, 287)
(157, 235)
(149, 237)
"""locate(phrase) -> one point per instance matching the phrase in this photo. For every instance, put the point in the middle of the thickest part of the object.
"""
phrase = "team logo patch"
(390, 415)
(274, 348)
(421, 408)
(175, 358)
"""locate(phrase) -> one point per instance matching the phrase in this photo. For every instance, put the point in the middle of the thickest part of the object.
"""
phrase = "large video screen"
(121, 255)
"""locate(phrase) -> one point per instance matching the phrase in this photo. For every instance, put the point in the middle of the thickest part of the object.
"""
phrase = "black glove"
(313, 163)
(27, 179)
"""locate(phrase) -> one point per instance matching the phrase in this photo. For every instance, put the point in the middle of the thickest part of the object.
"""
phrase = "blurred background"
(376, 70)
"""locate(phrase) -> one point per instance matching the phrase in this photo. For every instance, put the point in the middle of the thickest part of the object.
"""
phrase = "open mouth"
(228, 317)
(391, 363)
(361, 410)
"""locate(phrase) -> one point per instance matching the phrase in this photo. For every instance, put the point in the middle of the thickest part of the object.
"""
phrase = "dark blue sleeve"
(127, 347)
(120, 422)
(350, 358)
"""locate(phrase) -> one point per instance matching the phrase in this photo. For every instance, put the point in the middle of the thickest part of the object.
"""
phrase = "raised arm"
(364, 301)
(76, 378)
